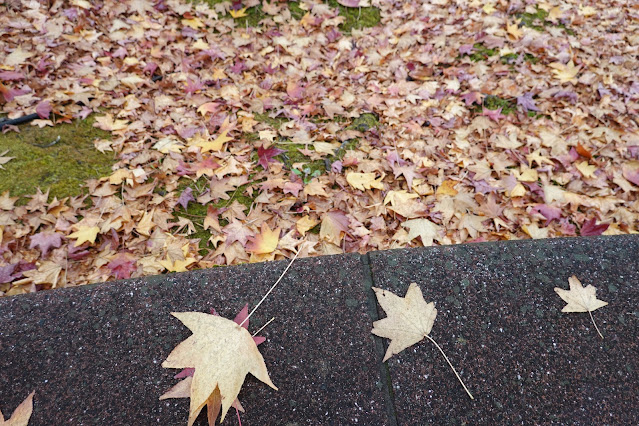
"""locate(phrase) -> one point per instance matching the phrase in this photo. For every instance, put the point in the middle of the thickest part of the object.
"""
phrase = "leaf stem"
(595, 324)
(451, 366)
(271, 289)
(263, 327)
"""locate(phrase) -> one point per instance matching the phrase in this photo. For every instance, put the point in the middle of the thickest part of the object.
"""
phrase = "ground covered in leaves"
(239, 130)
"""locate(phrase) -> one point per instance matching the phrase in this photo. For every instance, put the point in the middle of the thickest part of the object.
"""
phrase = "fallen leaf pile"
(494, 121)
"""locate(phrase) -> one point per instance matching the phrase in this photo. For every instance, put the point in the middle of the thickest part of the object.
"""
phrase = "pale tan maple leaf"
(581, 299)
(423, 228)
(21, 415)
(409, 320)
(565, 72)
(363, 181)
(222, 353)
(4, 160)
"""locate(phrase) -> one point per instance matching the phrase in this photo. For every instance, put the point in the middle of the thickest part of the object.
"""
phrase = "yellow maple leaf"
(240, 13)
(222, 353)
(364, 181)
(409, 319)
(194, 23)
(447, 188)
(489, 8)
(565, 73)
(586, 169)
(85, 233)
(514, 30)
(580, 299)
(177, 265)
(305, 224)
(265, 242)
(21, 414)
(587, 11)
(423, 228)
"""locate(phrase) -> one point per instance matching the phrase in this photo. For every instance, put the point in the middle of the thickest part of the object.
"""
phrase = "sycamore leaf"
(21, 415)
(85, 233)
(265, 242)
(409, 319)
(222, 353)
(581, 299)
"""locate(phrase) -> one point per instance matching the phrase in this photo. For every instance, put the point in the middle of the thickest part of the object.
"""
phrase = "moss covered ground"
(355, 17)
(60, 158)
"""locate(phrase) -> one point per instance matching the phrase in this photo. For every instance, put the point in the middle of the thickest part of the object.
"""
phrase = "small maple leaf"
(122, 265)
(580, 299)
(185, 197)
(590, 228)
(565, 73)
(6, 273)
(45, 241)
(265, 242)
(265, 155)
(4, 160)
(422, 228)
(409, 320)
(22, 413)
(213, 145)
(240, 13)
(363, 181)
(85, 233)
(527, 102)
(222, 354)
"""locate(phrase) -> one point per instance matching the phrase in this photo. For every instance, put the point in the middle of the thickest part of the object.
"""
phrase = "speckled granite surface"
(500, 323)
(93, 354)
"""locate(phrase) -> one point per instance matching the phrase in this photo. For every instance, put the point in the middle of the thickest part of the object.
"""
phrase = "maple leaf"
(265, 155)
(422, 228)
(21, 414)
(4, 160)
(84, 234)
(409, 320)
(265, 242)
(122, 265)
(185, 197)
(527, 102)
(333, 224)
(45, 240)
(580, 299)
(363, 181)
(6, 273)
(590, 228)
(240, 13)
(6, 202)
(565, 73)
(215, 145)
(222, 353)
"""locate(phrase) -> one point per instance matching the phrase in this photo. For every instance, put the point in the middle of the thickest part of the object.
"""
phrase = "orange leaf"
(583, 151)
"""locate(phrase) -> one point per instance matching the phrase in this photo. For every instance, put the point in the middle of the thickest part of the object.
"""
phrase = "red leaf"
(590, 228)
(265, 156)
(122, 265)
(44, 110)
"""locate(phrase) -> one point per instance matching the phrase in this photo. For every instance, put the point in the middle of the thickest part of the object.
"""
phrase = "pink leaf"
(349, 3)
(185, 197)
(122, 265)
(45, 241)
(44, 110)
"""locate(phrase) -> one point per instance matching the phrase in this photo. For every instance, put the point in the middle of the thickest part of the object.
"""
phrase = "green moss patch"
(538, 21)
(60, 158)
(356, 17)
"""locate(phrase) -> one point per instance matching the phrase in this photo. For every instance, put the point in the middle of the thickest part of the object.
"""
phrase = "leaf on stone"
(222, 354)
(581, 299)
(409, 320)
(21, 415)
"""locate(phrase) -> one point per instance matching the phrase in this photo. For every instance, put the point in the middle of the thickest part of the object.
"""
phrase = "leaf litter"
(518, 121)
